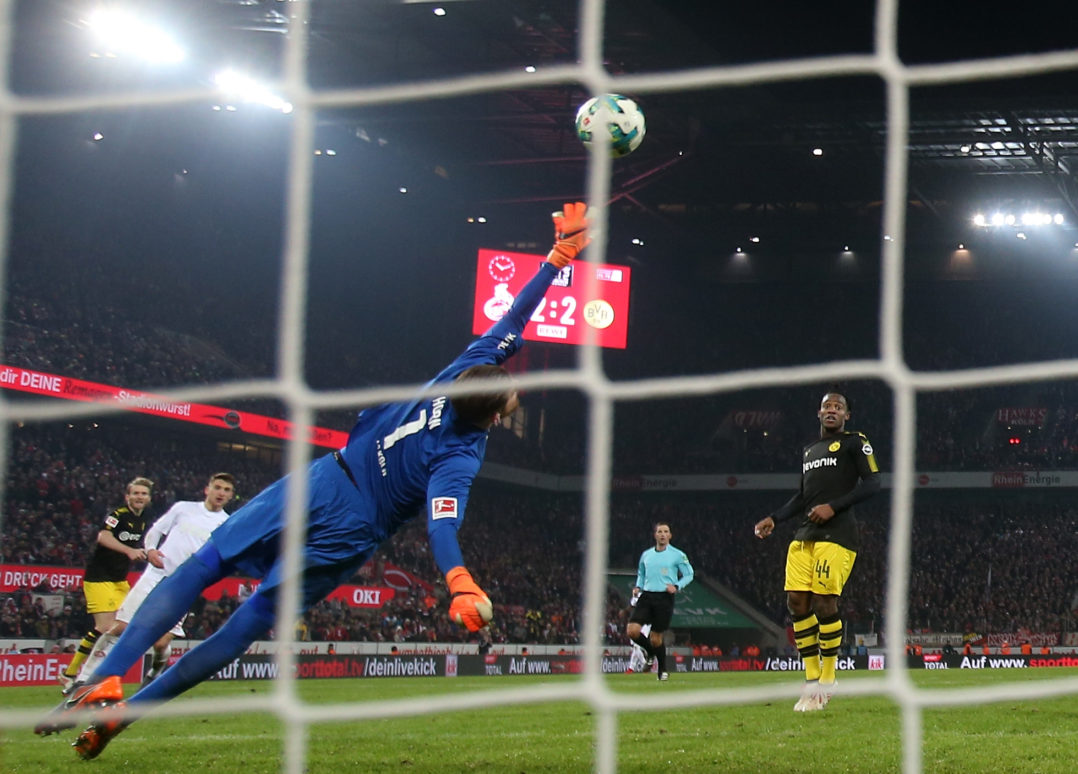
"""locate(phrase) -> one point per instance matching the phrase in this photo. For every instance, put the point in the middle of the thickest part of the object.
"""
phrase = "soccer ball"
(612, 121)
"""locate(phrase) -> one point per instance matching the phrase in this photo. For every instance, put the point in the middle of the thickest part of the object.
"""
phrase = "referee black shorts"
(655, 608)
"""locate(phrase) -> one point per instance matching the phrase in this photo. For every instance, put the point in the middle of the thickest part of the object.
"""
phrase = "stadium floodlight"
(120, 34)
(246, 89)
(1027, 219)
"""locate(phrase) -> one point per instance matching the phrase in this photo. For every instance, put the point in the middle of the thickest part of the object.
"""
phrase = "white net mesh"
(602, 394)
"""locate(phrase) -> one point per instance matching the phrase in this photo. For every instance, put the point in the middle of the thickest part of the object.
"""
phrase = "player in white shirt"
(183, 529)
(638, 659)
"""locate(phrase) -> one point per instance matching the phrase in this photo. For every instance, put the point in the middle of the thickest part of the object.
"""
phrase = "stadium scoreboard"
(583, 296)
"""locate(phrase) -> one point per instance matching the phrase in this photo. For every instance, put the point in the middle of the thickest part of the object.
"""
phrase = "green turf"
(855, 734)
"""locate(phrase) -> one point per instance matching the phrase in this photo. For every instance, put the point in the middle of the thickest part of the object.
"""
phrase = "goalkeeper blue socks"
(159, 612)
(251, 620)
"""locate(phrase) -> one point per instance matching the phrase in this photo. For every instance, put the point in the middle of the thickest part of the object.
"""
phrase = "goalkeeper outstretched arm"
(450, 483)
(503, 339)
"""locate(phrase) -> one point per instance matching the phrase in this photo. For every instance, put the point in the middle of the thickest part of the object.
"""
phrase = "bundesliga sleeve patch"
(111, 522)
(443, 508)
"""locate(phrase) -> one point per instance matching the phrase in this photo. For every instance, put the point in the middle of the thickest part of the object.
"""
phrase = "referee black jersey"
(112, 566)
(831, 467)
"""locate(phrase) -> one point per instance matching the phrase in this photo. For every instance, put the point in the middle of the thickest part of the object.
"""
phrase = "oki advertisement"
(583, 297)
(59, 579)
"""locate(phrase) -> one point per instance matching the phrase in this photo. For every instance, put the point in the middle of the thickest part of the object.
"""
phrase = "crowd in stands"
(978, 563)
(77, 323)
(61, 480)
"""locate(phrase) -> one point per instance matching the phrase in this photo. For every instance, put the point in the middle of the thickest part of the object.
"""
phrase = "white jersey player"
(638, 659)
(183, 529)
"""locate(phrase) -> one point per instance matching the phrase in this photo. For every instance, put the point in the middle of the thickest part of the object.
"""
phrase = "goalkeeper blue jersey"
(402, 458)
(658, 568)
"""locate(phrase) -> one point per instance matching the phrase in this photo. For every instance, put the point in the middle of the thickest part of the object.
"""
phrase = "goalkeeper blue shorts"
(341, 529)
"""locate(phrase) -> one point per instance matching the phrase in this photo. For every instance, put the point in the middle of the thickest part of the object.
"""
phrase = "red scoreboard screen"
(583, 295)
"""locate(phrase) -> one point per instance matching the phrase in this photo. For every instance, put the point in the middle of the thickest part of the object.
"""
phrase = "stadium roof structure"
(737, 158)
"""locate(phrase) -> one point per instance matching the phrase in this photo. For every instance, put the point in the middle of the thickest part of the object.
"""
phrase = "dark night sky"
(190, 200)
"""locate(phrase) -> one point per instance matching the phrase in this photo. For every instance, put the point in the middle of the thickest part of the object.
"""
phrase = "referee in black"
(838, 471)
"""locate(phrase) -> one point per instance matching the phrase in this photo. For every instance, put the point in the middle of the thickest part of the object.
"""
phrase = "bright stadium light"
(1025, 219)
(246, 89)
(122, 34)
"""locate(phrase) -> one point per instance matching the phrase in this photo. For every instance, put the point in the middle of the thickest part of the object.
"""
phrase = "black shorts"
(655, 608)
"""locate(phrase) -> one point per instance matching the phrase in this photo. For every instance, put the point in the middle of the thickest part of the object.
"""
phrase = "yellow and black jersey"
(840, 470)
(112, 566)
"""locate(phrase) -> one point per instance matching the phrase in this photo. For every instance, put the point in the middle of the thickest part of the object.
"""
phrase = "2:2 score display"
(582, 299)
(566, 306)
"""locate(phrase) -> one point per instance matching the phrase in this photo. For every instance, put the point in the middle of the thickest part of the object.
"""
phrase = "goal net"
(292, 307)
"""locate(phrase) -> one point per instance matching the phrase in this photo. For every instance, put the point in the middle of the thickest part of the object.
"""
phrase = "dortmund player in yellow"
(837, 471)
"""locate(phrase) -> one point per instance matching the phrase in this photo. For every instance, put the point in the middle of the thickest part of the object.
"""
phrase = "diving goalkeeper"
(399, 458)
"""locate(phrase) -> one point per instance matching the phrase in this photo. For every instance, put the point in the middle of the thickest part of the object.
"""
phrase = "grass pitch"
(861, 735)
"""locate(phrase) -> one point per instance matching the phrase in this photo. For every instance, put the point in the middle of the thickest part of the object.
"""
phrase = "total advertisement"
(42, 669)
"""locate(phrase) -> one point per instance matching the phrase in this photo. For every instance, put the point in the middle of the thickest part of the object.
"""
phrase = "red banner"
(23, 380)
(57, 579)
(17, 669)
(24, 576)
(353, 596)
(402, 580)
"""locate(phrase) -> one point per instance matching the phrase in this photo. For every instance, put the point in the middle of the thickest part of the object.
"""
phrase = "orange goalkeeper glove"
(570, 233)
(471, 607)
